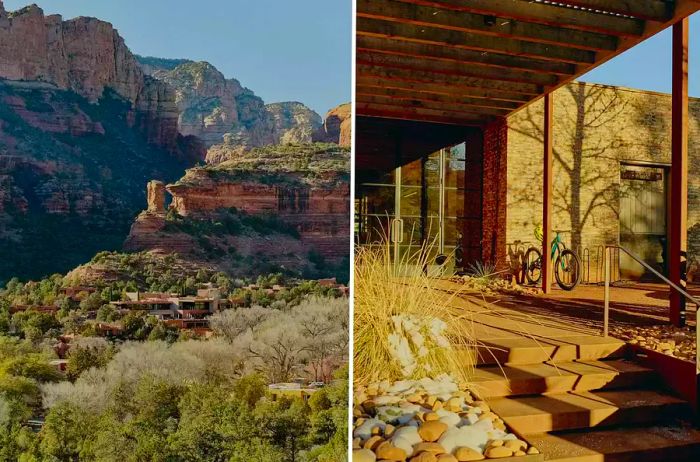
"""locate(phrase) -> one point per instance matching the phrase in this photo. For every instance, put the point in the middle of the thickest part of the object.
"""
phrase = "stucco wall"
(595, 129)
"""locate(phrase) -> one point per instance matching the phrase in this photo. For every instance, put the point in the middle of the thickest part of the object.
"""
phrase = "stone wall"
(596, 128)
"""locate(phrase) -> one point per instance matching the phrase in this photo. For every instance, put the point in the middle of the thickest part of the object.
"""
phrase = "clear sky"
(283, 50)
(648, 65)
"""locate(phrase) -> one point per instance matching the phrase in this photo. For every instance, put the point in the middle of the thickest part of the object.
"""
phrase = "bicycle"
(567, 266)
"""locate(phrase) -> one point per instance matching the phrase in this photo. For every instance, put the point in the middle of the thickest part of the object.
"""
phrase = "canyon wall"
(87, 56)
(219, 110)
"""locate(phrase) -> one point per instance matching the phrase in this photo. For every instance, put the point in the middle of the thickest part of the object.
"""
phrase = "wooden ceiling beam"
(432, 88)
(398, 93)
(459, 39)
(453, 68)
(652, 10)
(410, 13)
(422, 50)
(422, 115)
(544, 13)
(454, 112)
(434, 77)
(436, 105)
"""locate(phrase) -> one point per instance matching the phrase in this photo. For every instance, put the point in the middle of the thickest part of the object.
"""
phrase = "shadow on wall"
(595, 129)
(580, 186)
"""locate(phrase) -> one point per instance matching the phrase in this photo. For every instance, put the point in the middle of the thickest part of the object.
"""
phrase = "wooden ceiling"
(467, 62)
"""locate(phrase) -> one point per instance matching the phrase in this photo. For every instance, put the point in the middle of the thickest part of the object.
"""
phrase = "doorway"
(643, 204)
(417, 206)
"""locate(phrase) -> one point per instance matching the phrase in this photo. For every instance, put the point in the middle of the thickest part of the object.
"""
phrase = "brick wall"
(596, 128)
(494, 197)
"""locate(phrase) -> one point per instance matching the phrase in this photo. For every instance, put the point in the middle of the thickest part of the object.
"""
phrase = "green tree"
(82, 358)
(67, 434)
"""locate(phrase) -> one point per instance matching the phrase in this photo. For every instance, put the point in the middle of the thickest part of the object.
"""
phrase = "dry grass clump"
(405, 327)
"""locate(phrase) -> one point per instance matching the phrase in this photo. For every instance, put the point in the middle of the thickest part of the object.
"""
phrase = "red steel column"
(678, 227)
(547, 197)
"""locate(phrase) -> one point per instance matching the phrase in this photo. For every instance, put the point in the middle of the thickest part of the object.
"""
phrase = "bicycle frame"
(558, 247)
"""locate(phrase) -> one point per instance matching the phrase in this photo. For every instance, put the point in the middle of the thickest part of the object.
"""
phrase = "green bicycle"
(567, 266)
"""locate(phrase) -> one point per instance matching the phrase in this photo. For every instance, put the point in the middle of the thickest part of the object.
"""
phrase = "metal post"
(678, 226)
(547, 197)
(606, 310)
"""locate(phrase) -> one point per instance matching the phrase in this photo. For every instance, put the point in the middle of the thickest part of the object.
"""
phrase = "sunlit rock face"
(217, 110)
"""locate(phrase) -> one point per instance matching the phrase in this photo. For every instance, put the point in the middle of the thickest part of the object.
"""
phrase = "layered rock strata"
(87, 56)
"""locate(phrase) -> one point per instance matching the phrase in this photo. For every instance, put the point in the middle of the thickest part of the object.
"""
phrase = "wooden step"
(584, 409)
(551, 377)
(526, 350)
(672, 443)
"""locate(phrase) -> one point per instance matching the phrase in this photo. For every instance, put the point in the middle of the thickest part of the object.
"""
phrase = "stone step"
(554, 377)
(525, 350)
(660, 443)
(584, 409)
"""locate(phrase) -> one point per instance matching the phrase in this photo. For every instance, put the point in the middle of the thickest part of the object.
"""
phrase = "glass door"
(417, 206)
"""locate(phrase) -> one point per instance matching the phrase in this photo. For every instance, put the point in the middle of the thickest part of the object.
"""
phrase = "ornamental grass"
(405, 325)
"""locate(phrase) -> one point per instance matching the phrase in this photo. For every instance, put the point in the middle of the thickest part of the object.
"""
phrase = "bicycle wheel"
(567, 270)
(532, 265)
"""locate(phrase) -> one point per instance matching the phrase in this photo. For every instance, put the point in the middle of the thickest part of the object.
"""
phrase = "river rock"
(432, 431)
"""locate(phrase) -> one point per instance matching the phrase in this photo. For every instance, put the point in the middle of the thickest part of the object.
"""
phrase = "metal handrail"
(606, 313)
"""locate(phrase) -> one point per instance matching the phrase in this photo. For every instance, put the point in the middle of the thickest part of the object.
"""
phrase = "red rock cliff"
(85, 55)
(337, 126)
(316, 205)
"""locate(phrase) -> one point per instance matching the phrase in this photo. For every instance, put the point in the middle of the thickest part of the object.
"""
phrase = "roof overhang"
(468, 62)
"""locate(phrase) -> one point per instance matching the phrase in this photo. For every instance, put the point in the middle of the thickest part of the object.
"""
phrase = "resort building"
(482, 192)
(180, 311)
(476, 138)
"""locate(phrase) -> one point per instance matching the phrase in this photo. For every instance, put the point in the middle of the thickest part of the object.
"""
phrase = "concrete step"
(554, 377)
(661, 443)
(526, 350)
(584, 409)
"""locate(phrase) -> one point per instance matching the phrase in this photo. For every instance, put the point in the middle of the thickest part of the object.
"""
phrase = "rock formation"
(156, 196)
(87, 56)
(305, 187)
(337, 126)
(219, 110)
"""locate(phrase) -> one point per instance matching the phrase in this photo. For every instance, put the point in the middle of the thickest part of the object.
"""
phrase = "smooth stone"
(468, 455)
(363, 455)
(463, 437)
(424, 457)
(430, 416)
(364, 431)
(404, 444)
(388, 451)
(519, 453)
(450, 418)
(498, 452)
(516, 445)
(373, 442)
(495, 443)
(389, 430)
(532, 451)
(435, 448)
(432, 431)
(357, 443)
(401, 386)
